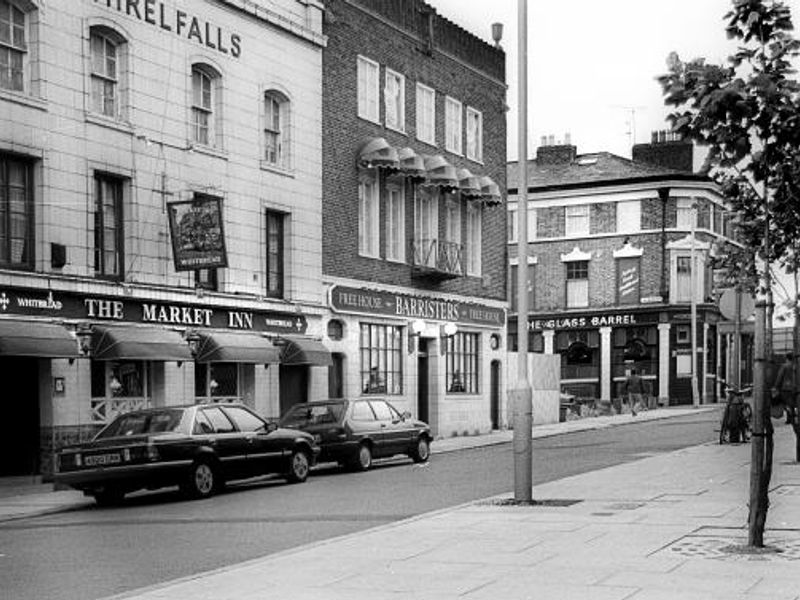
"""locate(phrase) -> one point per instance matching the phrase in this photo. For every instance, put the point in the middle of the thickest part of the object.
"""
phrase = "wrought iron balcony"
(436, 259)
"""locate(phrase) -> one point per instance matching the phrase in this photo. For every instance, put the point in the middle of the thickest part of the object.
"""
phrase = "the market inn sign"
(377, 302)
(68, 305)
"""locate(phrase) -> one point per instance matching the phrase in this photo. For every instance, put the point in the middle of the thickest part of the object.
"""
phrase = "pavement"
(671, 526)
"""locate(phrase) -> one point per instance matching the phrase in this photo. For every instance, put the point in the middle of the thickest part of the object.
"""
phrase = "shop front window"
(461, 363)
(381, 359)
(216, 382)
(118, 387)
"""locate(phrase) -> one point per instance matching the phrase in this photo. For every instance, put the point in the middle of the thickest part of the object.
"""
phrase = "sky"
(592, 64)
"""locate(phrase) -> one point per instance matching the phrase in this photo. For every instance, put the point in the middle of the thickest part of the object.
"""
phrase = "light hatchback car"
(353, 432)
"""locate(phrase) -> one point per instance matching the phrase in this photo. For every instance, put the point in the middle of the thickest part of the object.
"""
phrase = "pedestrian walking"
(783, 390)
(634, 390)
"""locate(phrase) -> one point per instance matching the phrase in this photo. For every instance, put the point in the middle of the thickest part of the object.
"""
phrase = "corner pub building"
(160, 226)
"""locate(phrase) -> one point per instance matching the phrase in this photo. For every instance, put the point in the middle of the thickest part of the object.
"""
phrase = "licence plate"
(102, 459)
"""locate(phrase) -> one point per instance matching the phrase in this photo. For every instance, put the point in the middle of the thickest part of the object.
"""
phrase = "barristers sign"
(408, 306)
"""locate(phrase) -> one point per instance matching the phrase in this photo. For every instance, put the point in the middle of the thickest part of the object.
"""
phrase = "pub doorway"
(494, 391)
(423, 410)
(293, 385)
(19, 444)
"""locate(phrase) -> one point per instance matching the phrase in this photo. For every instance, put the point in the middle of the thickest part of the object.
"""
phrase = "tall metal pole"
(522, 395)
(693, 304)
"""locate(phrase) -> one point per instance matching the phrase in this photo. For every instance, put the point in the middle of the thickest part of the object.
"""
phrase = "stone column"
(663, 363)
(605, 363)
(548, 335)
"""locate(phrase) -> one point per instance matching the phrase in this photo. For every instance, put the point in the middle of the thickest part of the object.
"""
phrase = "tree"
(747, 113)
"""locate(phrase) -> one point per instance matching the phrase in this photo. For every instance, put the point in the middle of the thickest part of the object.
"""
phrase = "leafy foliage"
(747, 113)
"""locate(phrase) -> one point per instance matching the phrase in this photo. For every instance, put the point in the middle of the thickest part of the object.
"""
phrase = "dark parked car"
(353, 432)
(197, 447)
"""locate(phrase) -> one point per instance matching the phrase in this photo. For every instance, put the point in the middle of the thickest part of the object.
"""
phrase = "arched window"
(109, 57)
(206, 124)
(276, 130)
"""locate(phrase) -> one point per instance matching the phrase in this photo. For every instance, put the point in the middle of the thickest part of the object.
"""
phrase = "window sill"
(454, 152)
(23, 99)
(398, 261)
(400, 130)
(273, 168)
(207, 150)
(376, 121)
(477, 160)
(363, 254)
(431, 143)
(103, 121)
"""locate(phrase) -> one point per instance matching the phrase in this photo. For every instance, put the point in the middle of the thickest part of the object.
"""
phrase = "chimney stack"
(666, 149)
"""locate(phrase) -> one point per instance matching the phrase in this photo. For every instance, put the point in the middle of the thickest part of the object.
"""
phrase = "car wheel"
(201, 482)
(109, 497)
(363, 459)
(422, 451)
(299, 466)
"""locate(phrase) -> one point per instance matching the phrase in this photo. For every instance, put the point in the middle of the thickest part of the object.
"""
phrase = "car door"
(265, 451)
(364, 426)
(407, 431)
(229, 444)
(391, 434)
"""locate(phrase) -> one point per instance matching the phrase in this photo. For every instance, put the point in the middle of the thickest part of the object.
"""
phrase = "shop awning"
(468, 183)
(303, 351)
(440, 173)
(138, 343)
(236, 347)
(28, 338)
(377, 153)
(411, 164)
(490, 191)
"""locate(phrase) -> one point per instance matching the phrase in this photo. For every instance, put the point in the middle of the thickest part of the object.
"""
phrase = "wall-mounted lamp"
(446, 331)
(414, 331)
(83, 332)
(115, 386)
(193, 339)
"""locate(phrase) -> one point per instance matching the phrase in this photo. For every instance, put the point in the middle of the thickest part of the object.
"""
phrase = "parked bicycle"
(737, 418)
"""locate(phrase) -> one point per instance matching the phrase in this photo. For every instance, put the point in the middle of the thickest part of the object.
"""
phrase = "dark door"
(19, 444)
(336, 376)
(422, 381)
(293, 385)
(494, 391)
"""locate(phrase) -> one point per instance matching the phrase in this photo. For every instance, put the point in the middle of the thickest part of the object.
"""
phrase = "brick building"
(160, 227)
(610, 254)
(414, 147)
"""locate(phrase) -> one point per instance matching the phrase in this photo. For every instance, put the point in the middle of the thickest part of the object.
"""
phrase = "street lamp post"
(522, 395)
(693, 303)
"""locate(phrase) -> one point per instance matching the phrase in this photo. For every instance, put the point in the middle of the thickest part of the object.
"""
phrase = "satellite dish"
(727, 305)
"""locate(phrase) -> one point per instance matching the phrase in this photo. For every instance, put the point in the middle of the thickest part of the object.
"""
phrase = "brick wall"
(353, 31)
(603, 217)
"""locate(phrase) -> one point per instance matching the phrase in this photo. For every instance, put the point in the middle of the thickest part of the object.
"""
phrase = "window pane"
(381, 359)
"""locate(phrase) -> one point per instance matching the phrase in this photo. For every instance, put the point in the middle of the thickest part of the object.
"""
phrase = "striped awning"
(411, 164)
(440, 173)
(490, 191)
(468, 184)
(377, 153)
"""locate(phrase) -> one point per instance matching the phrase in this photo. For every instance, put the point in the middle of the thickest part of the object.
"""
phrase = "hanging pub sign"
(198, 238)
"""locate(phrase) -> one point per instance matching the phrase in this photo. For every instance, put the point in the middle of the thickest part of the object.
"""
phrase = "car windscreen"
(302, 415)
(142, 422)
